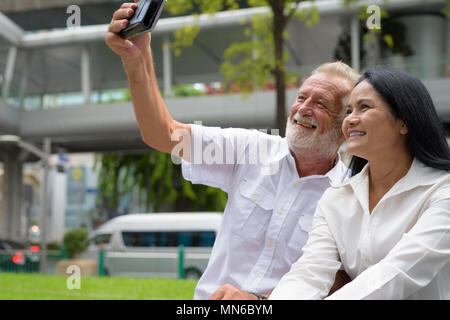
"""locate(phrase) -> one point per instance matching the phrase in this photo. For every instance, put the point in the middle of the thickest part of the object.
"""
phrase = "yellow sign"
(76, 174)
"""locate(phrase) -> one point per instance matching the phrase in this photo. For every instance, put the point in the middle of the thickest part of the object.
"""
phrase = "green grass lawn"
(15, 286)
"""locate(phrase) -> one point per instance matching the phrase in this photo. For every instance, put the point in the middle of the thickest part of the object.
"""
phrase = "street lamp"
(44, 156)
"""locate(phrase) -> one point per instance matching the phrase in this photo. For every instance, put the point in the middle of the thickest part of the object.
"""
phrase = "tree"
(156, 180)
(249, 64)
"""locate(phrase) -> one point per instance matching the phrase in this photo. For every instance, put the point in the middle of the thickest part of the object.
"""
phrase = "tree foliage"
(156, 180)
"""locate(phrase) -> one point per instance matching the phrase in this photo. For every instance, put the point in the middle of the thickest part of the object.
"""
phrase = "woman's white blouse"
(399, 251)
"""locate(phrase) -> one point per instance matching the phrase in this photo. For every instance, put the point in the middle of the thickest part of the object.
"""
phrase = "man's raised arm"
(155, 123)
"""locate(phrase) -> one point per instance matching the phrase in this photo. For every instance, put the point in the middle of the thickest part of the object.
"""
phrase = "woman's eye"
(348, 111)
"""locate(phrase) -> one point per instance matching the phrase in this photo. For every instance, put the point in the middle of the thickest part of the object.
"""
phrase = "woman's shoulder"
(348, 180)
(338, 191)
(343, 193)
(441, 187)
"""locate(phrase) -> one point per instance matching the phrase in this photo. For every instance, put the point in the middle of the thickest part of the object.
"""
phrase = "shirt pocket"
(299, 237)
(305, 222)
(255, 207)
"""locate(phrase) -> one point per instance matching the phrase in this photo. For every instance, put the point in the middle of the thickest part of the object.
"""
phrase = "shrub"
(75, 241)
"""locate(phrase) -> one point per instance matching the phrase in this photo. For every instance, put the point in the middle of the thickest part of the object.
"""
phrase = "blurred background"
(70, 149)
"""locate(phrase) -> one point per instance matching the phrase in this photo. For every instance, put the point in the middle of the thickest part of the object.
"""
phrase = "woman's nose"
(352, 120)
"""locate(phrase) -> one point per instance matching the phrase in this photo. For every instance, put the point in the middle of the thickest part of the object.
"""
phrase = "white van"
(148, 245)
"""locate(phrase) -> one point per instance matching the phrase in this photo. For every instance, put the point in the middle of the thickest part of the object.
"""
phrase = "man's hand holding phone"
(129, 49)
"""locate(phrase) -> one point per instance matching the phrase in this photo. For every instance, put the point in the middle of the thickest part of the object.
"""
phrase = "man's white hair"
(339, 69)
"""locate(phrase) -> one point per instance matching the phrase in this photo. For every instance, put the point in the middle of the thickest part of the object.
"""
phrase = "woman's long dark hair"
(410, 101)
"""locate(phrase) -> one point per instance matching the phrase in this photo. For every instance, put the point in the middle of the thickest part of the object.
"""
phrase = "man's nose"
(305, 109)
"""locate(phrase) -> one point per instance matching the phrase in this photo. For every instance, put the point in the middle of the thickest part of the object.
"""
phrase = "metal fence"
(178, 262)
(27, 261)
(181, 262)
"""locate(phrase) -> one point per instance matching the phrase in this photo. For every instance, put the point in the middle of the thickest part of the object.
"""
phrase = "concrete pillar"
(86, 75)
(355, 42)
(9, 72)
(24, 80)
(167, 67)
(447, 55)
(44, 219)
(425, 34)
(12, 194)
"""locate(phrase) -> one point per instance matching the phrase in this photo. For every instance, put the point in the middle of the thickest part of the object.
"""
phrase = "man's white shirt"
(269, 210)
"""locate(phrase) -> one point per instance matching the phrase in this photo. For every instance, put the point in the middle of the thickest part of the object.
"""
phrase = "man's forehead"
(323, 80)
(328, 85)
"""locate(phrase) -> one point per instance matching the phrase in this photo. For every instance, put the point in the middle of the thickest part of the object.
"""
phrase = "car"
(16, 256)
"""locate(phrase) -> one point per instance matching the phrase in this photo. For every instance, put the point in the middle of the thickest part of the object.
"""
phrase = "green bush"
(75, 241)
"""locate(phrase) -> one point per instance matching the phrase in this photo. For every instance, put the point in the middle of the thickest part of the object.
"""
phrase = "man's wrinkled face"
(316, 116)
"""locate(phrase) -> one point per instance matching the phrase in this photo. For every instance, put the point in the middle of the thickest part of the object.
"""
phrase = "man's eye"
(364, 106)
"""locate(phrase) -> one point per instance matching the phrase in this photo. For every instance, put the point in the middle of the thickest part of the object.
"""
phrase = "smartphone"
(144, 19)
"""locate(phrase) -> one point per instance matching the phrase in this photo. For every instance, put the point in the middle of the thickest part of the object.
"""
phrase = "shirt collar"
(337, 174)
(419, 174)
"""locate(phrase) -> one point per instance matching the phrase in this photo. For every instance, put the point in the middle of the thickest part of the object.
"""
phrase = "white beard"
(322, 146)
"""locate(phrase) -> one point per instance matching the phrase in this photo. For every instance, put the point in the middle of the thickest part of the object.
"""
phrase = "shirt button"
(255, 197)
(296, 184)
(368, 261)
(270, 243)
(257, 274)
(281, 211)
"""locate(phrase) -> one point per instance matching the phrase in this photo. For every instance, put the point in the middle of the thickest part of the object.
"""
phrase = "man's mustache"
(305, 120)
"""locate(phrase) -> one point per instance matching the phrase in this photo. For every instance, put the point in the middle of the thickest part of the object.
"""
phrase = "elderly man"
(273, 183)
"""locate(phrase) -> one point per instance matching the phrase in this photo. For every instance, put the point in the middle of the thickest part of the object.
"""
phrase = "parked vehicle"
(17, 256)
(148, 245)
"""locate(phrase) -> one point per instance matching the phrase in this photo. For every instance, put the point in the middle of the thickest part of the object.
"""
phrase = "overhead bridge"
(113, 127)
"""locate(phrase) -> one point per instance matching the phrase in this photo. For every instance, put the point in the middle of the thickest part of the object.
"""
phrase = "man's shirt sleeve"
(215, 154)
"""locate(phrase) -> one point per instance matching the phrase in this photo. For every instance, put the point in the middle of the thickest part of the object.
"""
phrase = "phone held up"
(144, 19)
